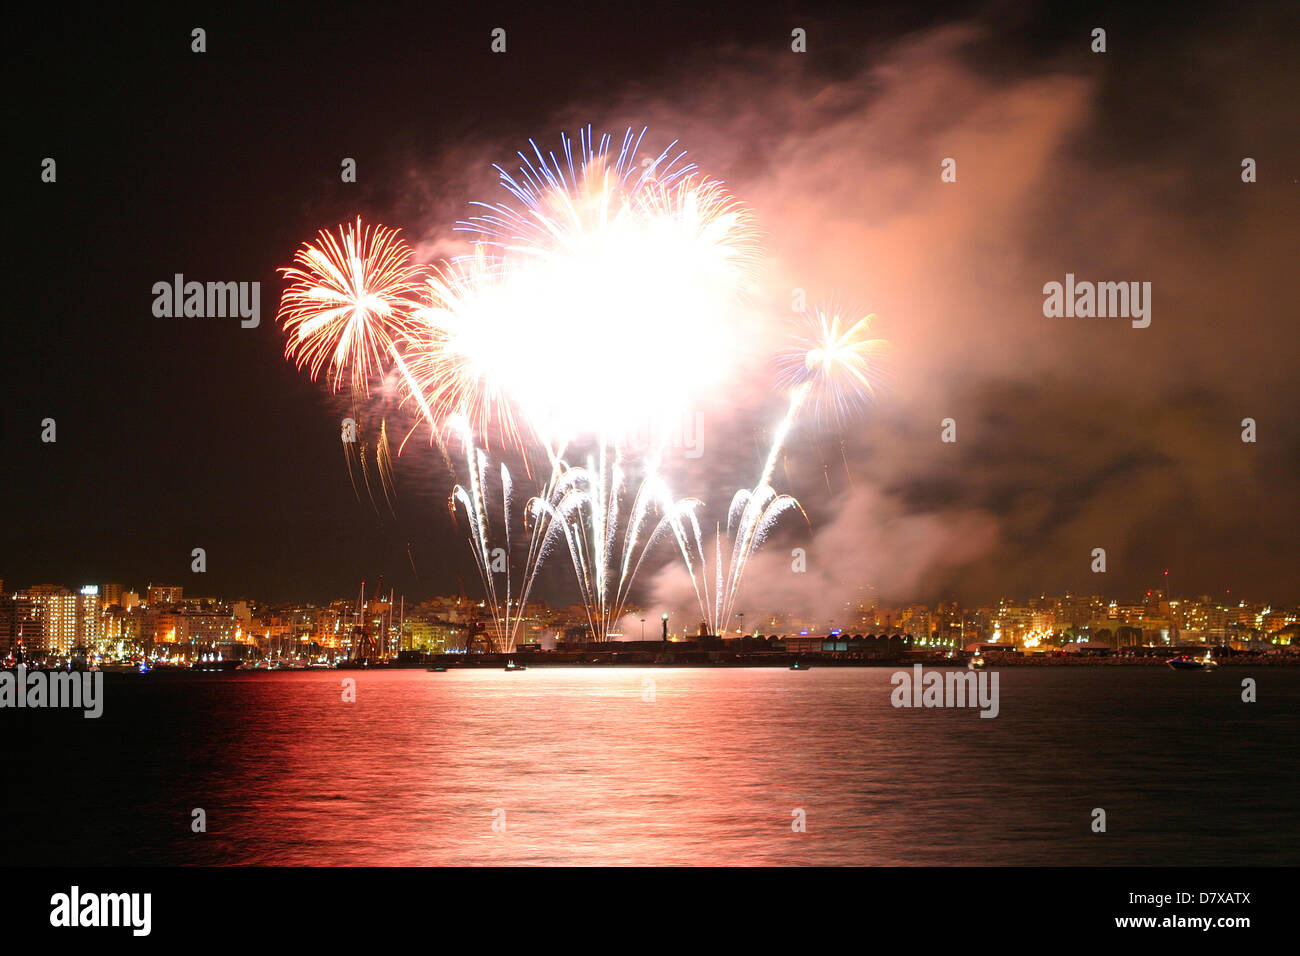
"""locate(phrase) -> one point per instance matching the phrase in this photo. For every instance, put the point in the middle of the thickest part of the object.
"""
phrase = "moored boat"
(1186, 662)
(221, 666)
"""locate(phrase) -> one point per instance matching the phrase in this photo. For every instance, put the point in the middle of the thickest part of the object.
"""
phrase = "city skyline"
(114, 620)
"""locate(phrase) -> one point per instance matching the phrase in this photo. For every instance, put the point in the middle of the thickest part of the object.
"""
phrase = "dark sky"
(182, 433)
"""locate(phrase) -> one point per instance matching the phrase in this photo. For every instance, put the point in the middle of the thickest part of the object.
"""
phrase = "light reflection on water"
(587, 771)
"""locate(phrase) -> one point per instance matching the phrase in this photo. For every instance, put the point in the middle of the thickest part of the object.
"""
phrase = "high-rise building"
(90, 624)
(56, 609)
(113, 619)
(112, 594)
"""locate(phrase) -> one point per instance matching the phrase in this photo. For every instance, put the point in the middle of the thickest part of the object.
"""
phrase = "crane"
(364, 647)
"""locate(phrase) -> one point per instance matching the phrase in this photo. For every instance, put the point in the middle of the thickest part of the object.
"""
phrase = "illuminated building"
(113, 622)
(159, 594)
(915, 621)
(90, 625)
(56, 613)
(432, 637)
(201, 630)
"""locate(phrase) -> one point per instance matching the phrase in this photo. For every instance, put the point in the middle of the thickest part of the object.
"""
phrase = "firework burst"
(837, 361)
(833, 363)
(453, 363)
(604, 268)
(348, 299)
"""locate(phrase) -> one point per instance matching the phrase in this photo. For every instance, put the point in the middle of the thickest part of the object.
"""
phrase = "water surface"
(705, 766)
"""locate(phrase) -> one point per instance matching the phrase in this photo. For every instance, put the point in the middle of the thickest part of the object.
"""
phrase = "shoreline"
(809, 662)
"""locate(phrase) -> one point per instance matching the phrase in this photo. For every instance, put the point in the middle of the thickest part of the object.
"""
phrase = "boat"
(218, 666)
(512, 666)
(124, 667)
(1186, 662)
(800, 666)
(977, 663)
(438, 670)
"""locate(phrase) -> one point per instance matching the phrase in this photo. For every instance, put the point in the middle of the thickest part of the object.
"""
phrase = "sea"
(622, 766)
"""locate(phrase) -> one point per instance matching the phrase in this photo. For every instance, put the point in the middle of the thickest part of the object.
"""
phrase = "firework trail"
(585, 505)
(833, 364)
(750, 518)
(357, 453)
(506, 609)
(782, 431)
(349, 453)
(384, 460)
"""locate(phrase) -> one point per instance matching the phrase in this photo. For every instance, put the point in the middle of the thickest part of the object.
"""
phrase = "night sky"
(176, 433)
